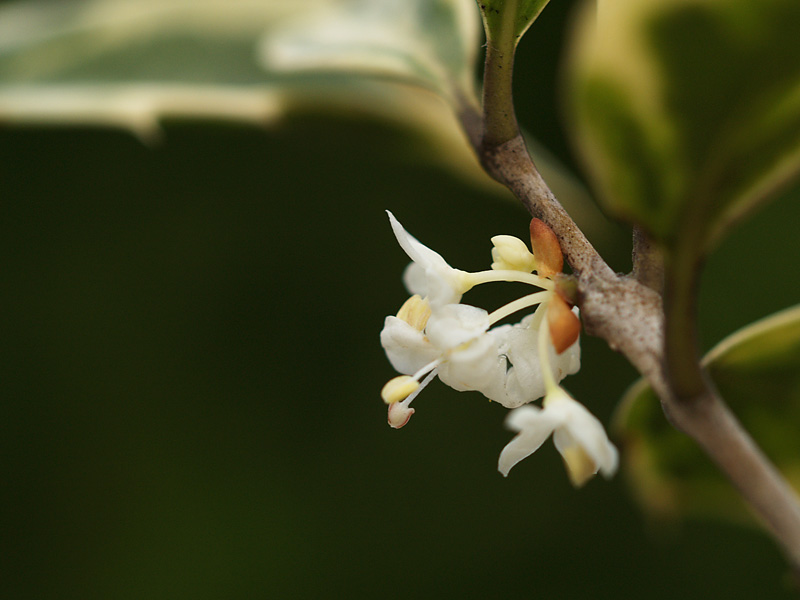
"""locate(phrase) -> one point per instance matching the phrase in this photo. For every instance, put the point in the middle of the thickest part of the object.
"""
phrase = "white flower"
(434, 335)
(452, 340)
(503, 363)
(578, 436)
(429, 275)
(406, 346)
(524, 380)
(472, 359)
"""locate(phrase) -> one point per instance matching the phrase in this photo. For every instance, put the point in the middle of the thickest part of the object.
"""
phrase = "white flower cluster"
(434, 334)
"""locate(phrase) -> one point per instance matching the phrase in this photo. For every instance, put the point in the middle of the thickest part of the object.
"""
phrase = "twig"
(629, 313)
(648, 261)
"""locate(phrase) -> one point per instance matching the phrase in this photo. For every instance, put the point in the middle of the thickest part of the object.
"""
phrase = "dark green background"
(190, 372)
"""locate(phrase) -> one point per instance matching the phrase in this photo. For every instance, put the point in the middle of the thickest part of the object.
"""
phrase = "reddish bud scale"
(546, 249)
(564, 325)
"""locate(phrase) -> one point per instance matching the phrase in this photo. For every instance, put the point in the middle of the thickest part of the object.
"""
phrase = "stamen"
(421, 387)
(415, 311)
(512, 307)
(430, 366)
(404, 387)
(398, 388)
(399, 412)
(507, 275)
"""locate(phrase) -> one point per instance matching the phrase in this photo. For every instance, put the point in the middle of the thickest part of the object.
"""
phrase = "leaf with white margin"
(433, 43)
(687, 112)
(757, 371)
(132, 65)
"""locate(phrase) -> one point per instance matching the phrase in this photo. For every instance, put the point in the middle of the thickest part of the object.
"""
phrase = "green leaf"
(432, 43)
(130, 64)
(757, 371)
(135, 64)
(687, 113)
(514, 16)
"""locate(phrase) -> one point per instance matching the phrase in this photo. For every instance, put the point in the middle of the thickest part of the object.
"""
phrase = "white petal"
(476, 366)
(451, 325)
(534, 427)
(416, 251)
(443, 287)
(405, 346)
(524, 382)
(442, 283)
(415, 279)
(584, 429)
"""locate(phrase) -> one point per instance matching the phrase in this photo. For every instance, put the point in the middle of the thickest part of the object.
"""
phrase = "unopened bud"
(399, 415)
(511, 253)
(415, 311)
(546, 249)
(398, 388)
(564, 325)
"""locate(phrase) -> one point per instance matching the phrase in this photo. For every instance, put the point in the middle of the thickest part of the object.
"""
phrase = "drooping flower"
(452, 342)
(455, 343)
(433, 335)
(579, 437)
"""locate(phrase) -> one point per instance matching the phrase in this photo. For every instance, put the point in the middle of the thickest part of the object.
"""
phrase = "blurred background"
(190, 375)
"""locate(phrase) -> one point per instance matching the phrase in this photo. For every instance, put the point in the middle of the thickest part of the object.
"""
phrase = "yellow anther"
(398, 389)
(511, 254)
(415, 311)
(580, 466)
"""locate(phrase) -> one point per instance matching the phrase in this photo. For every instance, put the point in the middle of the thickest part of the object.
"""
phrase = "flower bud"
(546, 249)
(511, 253)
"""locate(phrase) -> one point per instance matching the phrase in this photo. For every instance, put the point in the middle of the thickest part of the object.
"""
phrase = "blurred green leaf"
(757, 371)
(130, 64)
(133, 64)
(687, 113)
(497, 13)
(433, 43)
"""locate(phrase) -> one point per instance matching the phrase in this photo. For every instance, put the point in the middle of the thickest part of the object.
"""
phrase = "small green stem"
(500, 121)
(681, 349)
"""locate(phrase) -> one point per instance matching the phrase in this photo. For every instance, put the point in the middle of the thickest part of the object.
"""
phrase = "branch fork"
(628, 312)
